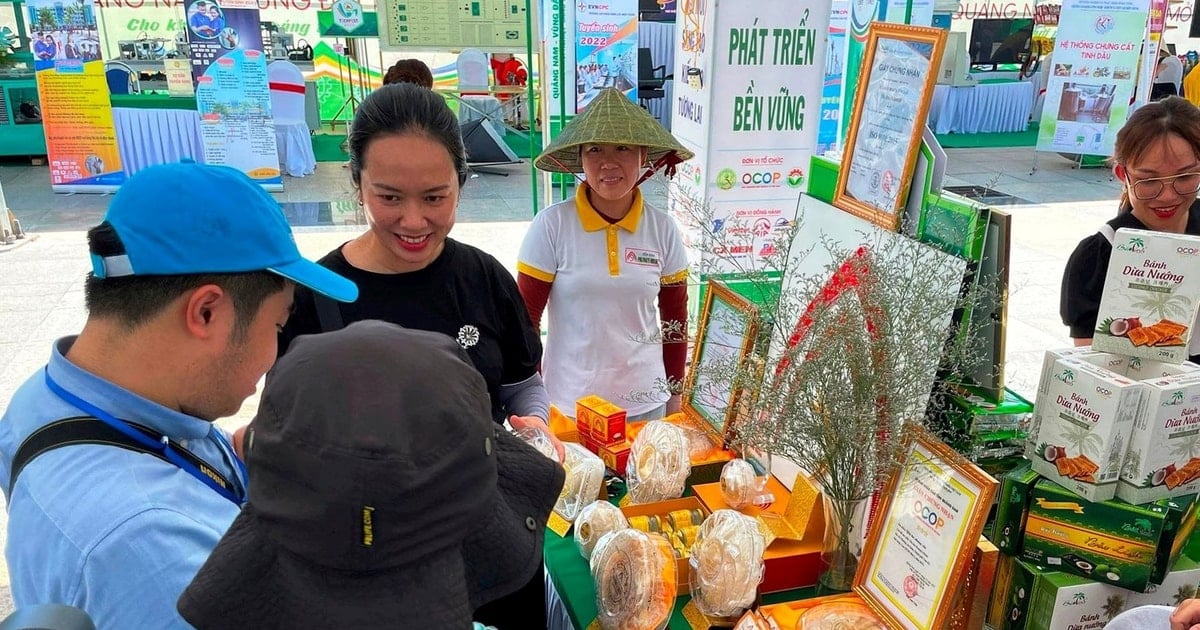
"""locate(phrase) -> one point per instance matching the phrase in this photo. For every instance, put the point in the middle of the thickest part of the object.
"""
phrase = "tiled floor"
(1053, 207)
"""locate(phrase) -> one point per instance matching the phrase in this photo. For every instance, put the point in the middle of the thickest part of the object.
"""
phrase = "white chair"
(293, 139)
(474, 72)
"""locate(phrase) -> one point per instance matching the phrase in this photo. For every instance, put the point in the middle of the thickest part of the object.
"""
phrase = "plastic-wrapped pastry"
(742, 486)
(595, 520)
(635, 580)
(585, 473)
(727, 564)
(659, 463)
(540, 440)
(839, 616)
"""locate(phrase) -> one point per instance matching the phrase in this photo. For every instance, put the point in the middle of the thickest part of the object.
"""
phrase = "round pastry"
(738, 480)
(585, 473)
(594, 521)
(659, 463)
(634, 573)
(839, 616)
(727, 564)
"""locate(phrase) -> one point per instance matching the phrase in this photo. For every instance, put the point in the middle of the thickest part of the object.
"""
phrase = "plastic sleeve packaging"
(595, 520)
(742, 486)
(585, 473)
(659, 463)
(635, 580)
(726, 564)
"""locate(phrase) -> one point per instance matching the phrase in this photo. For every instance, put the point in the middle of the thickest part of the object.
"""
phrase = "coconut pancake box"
(1151, 296)
(1163, 456)
(1081, 427)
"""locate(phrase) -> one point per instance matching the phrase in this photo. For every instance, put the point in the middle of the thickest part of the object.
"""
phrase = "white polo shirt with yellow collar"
(603, 324)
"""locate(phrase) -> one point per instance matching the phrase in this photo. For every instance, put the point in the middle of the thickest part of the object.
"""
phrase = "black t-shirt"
(1083, 279)
(464, 293)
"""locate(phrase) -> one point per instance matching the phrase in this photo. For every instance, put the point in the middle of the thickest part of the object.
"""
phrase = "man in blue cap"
(118, 484)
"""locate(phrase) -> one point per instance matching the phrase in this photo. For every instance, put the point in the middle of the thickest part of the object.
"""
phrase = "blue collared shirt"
(114, 532)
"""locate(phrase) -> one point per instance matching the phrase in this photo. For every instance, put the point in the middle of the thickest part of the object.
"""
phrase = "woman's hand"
(1186, 616)
(534, 422)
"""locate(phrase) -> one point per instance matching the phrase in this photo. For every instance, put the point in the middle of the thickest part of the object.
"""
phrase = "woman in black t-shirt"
(408, 165)
(1157, 158)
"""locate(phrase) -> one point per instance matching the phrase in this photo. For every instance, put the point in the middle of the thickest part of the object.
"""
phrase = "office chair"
(650, 78)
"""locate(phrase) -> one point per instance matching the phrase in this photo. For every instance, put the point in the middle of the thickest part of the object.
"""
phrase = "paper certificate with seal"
(889, 115)
(923, 547)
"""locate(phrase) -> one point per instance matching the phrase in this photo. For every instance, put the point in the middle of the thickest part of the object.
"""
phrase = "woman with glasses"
(1157, 158)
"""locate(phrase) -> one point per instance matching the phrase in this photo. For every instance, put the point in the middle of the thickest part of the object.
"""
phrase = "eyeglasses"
(1149, 188)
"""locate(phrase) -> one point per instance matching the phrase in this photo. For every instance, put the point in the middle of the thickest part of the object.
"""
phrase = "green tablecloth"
(152, 101)
(573, 580)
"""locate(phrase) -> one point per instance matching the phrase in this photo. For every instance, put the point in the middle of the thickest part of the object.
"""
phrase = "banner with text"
(234, 100)
(216, 28)
(76, 115)
(862, 13)
(765, 91)
(835, 66)
(606, 49)
(1092, 75)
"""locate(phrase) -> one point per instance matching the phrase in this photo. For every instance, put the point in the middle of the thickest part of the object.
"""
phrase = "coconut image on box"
(1163, 456)
(1081, 427)
(1151, 295)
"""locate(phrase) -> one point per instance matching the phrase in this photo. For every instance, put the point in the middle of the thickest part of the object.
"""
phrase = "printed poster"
(835, 64)
(232, 92)
(217, 27)
(765, 115)
(862, 13)
(81, 143)
(606, 49)
(1092, 75)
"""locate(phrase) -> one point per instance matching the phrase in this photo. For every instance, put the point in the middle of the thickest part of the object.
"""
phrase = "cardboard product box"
(662, 509)
(796, 521)
(600, 419)
(1031, 597)
(1012, 506)
(1140, 369)
(979, 415)
(563, 427)
(1081, 427)
(615, 456)
(1163, 456)
(1112, 541)
(1151, 295)
(1111, 362)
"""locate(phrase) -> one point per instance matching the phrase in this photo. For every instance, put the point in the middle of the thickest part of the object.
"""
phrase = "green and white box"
(1031, 597)
(1081, 427)
(1151, 295)
(1163, 457)
(1112, 362)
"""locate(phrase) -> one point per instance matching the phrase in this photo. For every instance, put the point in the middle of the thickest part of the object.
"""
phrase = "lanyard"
(168, 450)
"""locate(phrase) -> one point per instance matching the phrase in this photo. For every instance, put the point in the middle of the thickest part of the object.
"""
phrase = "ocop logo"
(929, 516)
(728, 178)
(1188, 251)
(1104, 391)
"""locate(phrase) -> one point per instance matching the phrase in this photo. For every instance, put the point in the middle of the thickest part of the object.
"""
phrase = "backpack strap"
(1108, 233)
(90, 430)
(329, 314)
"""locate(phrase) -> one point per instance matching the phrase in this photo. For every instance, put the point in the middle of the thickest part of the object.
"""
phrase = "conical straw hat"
(611, 118)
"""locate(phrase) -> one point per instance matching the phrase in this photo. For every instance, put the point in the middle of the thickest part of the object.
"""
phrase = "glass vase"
(842, 543)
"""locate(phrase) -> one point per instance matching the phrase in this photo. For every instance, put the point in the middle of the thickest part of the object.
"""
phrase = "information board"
(490, 25)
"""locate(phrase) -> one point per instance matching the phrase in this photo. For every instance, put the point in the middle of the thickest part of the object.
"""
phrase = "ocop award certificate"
(933, 516)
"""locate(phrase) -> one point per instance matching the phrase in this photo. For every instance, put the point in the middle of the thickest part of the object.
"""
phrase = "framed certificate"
(887, 120)
(723, 353)
(920, 548)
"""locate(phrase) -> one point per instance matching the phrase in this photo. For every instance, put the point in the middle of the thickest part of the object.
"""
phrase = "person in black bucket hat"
(383, 498)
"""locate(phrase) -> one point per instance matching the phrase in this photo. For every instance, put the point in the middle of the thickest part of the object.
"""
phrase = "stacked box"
(1030, 597)
(1163, 457)
(1112, 541)
(1111, 362)
(1151, 295)
(1012, 506)
(601, 424)
(1081, 427)
(1140, 369)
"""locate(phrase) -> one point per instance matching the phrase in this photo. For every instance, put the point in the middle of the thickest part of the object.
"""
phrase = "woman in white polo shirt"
(612, 270)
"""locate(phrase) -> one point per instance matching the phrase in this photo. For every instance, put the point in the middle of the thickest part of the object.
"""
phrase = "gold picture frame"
(894, 92)
(962, 494)
(735, 326)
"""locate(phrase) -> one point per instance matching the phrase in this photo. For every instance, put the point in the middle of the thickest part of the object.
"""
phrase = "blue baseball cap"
(191, 219)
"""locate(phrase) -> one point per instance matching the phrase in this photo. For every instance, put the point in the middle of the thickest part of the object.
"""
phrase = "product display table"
(155, 129)
(991, 107)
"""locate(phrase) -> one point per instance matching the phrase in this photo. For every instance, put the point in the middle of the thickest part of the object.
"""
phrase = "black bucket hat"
(382, 495)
